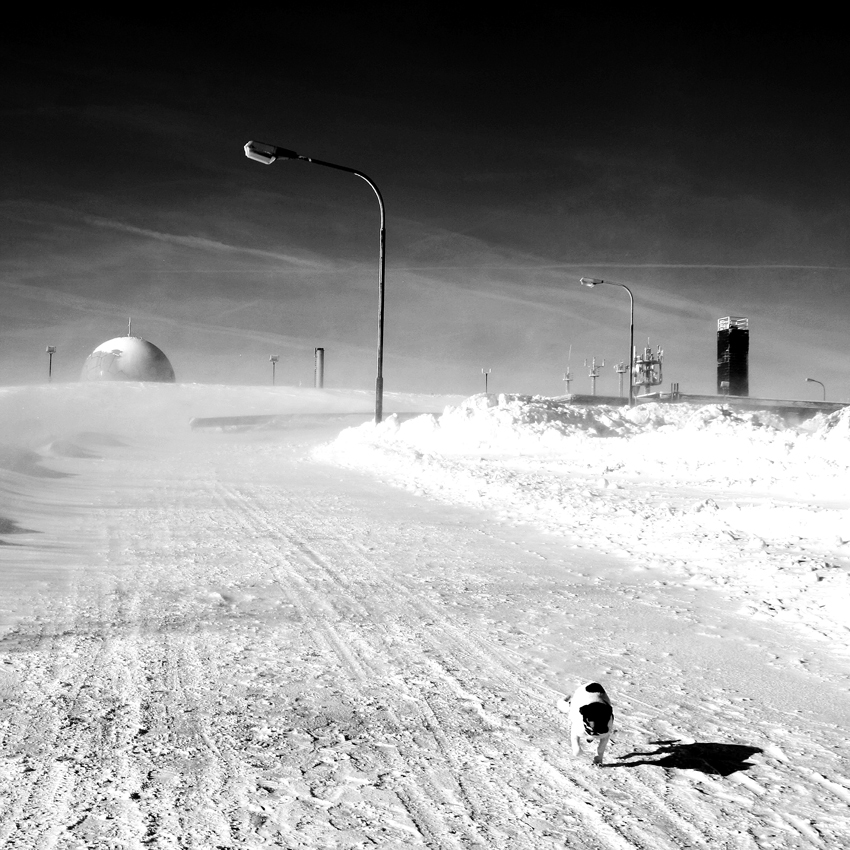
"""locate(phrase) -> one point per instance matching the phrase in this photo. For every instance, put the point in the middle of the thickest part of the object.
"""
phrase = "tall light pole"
(267, 154)
(595, 281)
(273, 359)
(812, 380)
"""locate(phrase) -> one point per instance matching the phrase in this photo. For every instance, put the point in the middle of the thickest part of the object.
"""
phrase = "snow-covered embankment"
(705, 494)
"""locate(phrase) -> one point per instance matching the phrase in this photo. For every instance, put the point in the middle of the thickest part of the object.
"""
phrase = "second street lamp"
(595, 281)
(267, 154)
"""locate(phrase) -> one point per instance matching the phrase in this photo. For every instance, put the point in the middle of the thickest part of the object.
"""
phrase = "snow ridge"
(736, 499)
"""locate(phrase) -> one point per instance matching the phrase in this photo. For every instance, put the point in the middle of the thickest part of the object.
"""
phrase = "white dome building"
(127, 358)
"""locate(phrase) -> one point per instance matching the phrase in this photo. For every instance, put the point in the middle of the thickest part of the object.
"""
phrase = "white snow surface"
(315, 631)
(708, 494)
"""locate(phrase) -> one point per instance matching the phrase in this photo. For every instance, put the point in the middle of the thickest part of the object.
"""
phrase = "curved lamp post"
(595, 281)
(267, 154)
(812, 380)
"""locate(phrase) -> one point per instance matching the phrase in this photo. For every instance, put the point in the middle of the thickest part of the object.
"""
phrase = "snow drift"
(737, 499)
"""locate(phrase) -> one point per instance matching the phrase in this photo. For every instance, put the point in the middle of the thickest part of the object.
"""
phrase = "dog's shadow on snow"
(717, 759)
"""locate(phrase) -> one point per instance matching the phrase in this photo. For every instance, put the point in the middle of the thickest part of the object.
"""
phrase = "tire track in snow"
(453, 650)
(449, 654)
(320, 613)
(690, 814)
(190, 728)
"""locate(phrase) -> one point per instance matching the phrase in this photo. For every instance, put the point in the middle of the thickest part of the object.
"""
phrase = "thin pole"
(379, 379)
(594, 281)
(631, 344)
(267, 154)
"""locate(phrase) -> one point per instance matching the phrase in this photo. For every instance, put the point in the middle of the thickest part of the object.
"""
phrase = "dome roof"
(127, 358)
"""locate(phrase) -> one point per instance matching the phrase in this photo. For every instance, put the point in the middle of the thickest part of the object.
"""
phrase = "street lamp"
(595, 281)
(51, 350)
(267, 154)
(273, 358)
(812, 380)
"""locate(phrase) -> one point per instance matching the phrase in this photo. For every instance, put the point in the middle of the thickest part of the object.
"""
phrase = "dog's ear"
(597, 717)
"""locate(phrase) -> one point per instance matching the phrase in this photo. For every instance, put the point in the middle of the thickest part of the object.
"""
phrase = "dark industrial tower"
(733, 349)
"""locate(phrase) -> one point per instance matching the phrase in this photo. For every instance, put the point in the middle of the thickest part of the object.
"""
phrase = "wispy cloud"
(201, 243)
(791, 266)
(41, 215)
(85, 305)
(592, 264)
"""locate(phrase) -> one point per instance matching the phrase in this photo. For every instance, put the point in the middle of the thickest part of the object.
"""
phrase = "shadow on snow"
(719, 759)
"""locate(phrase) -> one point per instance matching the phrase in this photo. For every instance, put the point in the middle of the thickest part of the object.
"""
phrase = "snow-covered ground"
(307, 635)
(700, 495)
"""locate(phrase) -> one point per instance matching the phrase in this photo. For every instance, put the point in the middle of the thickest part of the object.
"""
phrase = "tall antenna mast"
(593, 373)
(621, 368)
(129, 325)
(567, 376)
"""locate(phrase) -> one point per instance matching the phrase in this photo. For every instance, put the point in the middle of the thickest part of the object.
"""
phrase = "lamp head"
(591, 281)
(266, 153)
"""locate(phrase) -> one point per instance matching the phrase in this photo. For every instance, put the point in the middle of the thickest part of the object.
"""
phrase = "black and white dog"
(591, 718)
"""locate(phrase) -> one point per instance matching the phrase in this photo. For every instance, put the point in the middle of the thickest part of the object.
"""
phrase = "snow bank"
(707, 494)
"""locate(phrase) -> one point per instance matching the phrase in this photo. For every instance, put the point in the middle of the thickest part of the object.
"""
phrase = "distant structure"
(127, 358)
(593, 373)
(621, 369)
(51, 350)
(648, 366)
(733, 350)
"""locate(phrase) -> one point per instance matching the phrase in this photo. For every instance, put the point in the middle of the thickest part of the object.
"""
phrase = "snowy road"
(225, 643)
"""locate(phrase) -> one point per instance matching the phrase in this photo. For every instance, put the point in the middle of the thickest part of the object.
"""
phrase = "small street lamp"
(595, 281)
(267, 154)
(485, 373)
(812, 380)
(274, 358)
(51, 350)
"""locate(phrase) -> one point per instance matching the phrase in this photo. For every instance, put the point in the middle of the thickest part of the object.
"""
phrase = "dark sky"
(699, 161)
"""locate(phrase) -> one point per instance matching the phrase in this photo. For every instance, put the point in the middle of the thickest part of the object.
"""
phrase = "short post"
(621, 370)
